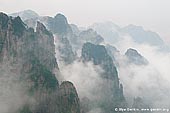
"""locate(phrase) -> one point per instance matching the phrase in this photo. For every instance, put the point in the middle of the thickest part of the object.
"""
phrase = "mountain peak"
(135, 57)
(25, 15)
(18, 19)
(60, 17)
(68, 98)
(40, 27)
(18, 25)
(66, 84)
(3, 20)
(29, 11)
(108, 30)
(3, 15)
(59, 24)
(131, 26)
(140, 35)
(132, 51)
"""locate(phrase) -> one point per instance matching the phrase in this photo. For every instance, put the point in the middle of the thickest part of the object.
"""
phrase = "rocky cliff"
(99, 56)
(68, 98)
(31, 55)
(62, 30)
(67, 35)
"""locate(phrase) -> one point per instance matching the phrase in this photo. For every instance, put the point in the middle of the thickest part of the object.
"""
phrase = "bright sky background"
(151, 14)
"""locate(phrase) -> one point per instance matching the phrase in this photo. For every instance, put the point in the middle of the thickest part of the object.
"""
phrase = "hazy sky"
(151, 14)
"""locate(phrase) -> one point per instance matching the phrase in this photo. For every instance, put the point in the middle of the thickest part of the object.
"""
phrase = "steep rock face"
(10, 32)
(99, 56)
(67, 34)
(31, 56)
(113, 52)
(45, 41)
(135, 58)
(64, 50)
(42, 51)
(63, 34)
(60, 27)
(34, 55)
(73, 36)
(68, 98)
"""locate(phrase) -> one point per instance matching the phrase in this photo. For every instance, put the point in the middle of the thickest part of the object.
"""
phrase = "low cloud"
(151, 82)
(86, 78)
